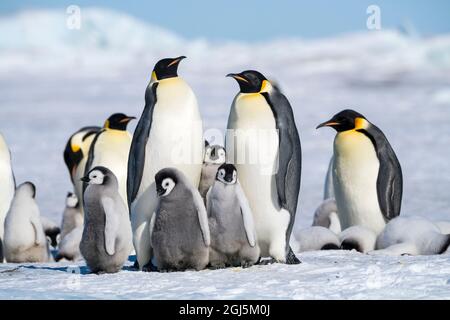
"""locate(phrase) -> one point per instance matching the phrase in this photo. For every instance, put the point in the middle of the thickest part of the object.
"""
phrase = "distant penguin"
(51, 230)
(69, 246)
(169, 134)
(180, 235)
(233, 234)
(24, 239)
(316, 238)
(76, 154)
(367, 176)
(107, 240)
(214, 157)
(411, 236)
(265, 147)
(358, 238)
(72, 216)
(110, 149)
(326, 216)
(7, 183)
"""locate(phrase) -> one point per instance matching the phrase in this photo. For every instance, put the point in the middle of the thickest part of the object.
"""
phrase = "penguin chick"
(24, 239)
(214, 157)
(72, 216)
(51, 231)
(106, 239)
(233, 234)
(326, 216)
(69, 246)
(179, 229)
(359, 238)
(316, 238)
(444, 226)
(411, 236)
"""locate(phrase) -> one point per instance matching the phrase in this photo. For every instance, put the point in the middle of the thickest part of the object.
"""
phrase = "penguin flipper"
(111, 224)
(202, 216)
(38, 230)
(390, 179)
(136, 158)
(247, 215)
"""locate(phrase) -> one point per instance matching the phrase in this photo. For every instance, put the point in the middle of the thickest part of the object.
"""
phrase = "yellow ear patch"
(361, 123)
(154, 77)
(265, 86)
(75, 148)
(106, 125)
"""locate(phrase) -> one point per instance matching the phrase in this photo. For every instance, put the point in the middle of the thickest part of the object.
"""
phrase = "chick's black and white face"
(166, 187)
(215, 155)
(227, 176)
(71, 200)
(96, 177)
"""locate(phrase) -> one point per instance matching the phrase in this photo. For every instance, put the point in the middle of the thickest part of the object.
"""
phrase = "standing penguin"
(106, 240)
(233, 235)
(169, 134)
(72, 215)
(214, 157)
(263, 127)
(76, 154)
(110, 149)
(7, 183)
(179, 230)
(25, 240)
(367, 176)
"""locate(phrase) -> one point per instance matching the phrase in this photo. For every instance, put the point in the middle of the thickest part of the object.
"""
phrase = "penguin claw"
(149, 267)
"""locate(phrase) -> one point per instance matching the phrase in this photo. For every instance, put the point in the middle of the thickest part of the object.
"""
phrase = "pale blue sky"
(252, 20)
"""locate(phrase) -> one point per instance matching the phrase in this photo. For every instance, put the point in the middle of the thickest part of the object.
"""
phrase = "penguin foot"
(149, 267)
(292, 258)
(350, 245)
(330, 246)
(135, 265)
(265, 262)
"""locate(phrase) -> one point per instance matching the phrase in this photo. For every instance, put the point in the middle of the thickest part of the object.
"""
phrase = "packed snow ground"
(54, 80)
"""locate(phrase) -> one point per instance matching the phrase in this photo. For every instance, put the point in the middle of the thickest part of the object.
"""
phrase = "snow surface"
(54, 80)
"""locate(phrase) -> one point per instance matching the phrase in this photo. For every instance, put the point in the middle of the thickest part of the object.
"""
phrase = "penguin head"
(98, 176)
(28, 188)
(166, 179)
(251, 81)
(227, 174)
(118, 121)
(166, 68)
(214, 154)
(71, 200)
(346, 120)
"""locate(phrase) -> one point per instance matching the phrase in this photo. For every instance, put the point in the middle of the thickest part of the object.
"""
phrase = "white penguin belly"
(255, 156)
(355, 177)
(111, 151)
(7, 186)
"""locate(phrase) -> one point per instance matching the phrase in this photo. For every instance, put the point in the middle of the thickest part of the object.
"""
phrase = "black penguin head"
(165, 179)
(215, 154)
(29, 188)
(346, 120)
(52, 235)
(98, 176)
(118, 121)
(250, 81)
(227, 174)
(166, 68)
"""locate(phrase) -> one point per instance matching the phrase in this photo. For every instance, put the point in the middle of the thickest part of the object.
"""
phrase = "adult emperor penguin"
(169, 134)
(179, 230)
(265, 148)
(367, 176)
(110, 149)
(25, 240)
(7, 182)
(233, 234)
(76, 154)
(106, 240)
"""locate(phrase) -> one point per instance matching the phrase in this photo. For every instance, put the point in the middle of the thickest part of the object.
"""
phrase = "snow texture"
(54, 80)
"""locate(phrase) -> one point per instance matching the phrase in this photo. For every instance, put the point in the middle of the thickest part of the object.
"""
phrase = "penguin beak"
(160, 191)
(127, 119)
(329, 123)
(176, 61)
(238, 77)
(85, 179)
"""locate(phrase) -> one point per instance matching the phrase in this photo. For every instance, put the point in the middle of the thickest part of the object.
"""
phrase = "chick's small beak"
(85, 179)
(160, 191)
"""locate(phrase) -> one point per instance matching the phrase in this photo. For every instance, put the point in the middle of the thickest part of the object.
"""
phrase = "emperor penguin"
(72, 215)
(179, 230)
(233, 234)
(215, 156)
(326, 216)
(7, 182)
(411, 236)
(263, 142)
(76, 154)
(110, 149)
(359, 238)
(106, 239)
(24, 239)
(52, 231)
(316, 238)
(169, 134)
(367, 176)
(69, 246)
